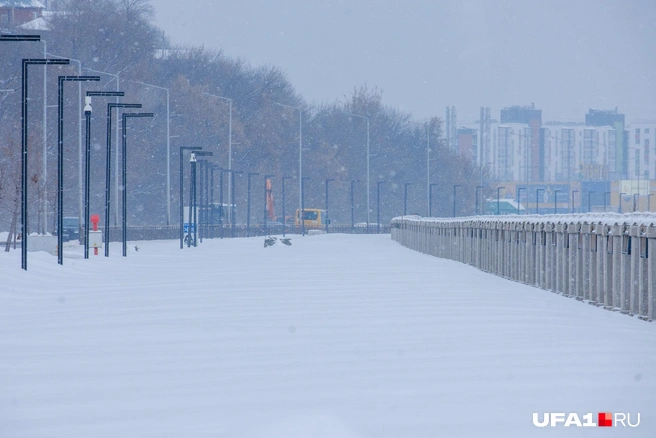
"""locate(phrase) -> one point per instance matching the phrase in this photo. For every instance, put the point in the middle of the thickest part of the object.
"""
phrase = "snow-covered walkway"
(336, 336)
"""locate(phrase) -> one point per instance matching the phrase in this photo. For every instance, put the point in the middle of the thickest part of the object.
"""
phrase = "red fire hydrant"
(94, 220)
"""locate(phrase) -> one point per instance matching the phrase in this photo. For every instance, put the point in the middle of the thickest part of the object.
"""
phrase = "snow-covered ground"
(336, 336)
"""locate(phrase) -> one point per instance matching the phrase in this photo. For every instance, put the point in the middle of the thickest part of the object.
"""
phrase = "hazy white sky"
(564, 55)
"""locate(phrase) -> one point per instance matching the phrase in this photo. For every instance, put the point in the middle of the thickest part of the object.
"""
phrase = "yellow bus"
(312, 218)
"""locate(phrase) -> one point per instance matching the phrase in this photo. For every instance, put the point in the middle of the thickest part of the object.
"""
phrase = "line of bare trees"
(119, 37)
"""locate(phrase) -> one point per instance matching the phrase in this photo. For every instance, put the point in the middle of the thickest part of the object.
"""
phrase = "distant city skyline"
(565, 56)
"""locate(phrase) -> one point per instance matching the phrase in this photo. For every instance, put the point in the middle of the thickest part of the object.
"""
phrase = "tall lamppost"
(116, 171)
(24, 221)
(79, 132)
(232, 196)
(499, 199)
(455, 186)
(620, 207)
(353, 204)
(60, 160)
(182, 222)
(230, 201)
(327, 215)
(192, 199)
(168, 148)
(193, 208)
(212, 168)
(556, 200)
(125, 175)
(537, 200)
(248, 204)
(368, 204)
(266, 178)
(378, 183)
(300, 154)
(284, 218)
(201, 211)
(405, 198)
(87, 172)
(477, 208)
(302, 212)
(108, 165)
(26, 62)
(572, 201)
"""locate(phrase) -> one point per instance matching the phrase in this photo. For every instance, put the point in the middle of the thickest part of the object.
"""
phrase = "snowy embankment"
(336, 336)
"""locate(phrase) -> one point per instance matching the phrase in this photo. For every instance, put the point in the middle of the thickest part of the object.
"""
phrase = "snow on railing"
(605, 259)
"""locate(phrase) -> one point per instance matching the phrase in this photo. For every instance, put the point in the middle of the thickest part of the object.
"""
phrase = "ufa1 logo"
(604, 419)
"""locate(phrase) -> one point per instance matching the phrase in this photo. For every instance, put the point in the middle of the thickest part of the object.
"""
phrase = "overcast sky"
(564, 55)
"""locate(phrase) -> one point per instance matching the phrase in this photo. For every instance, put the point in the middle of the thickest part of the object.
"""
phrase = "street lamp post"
(455, 186)
(620, 201)
(327, 215)
(378, 183)
(232, 196)
(108, 164)
(201, 210)
(125, 174)
(353, 204)
(300, 156)
(182, 222)
(60, 160)
(572, 201)
(405, 198)
(477, 204)
(193, 209)
(87, 174)
(266, 178)
(24, 82)
(192, 199)
(223, 209)
(44, 62)
(248, 204)
(556, 200)
(116, 171)
(499, 200)
(230, 200)
(284, 218)
(537, 200)
(79, 131)
(368, 204)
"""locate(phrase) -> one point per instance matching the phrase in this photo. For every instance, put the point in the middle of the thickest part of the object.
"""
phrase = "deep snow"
(336, 336)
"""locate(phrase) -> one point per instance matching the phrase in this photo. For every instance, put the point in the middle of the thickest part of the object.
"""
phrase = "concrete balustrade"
(608, 260)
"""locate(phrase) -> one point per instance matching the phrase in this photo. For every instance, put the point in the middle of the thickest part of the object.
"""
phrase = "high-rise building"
(532, 117)
(614, 119)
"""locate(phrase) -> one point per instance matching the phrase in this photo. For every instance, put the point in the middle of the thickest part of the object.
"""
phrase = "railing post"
(650, 234)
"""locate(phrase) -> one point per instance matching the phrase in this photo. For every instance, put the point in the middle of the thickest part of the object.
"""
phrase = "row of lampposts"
(85, 198)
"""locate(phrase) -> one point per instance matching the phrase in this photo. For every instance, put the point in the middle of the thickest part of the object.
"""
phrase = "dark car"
(71, 229)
